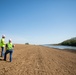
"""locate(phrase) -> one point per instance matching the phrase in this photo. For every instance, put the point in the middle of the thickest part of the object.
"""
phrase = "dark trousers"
(10, 52)
(2, 52)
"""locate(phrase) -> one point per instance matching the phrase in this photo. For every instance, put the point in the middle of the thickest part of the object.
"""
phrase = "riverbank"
(39, 60)
(70, 50)
(67, 50)
(61, 47)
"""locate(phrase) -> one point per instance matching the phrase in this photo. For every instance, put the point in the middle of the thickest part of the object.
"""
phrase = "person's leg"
(11, 51)
(6, 54)
(2, 52)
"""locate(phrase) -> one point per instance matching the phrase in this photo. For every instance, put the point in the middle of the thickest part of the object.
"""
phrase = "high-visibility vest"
(9, 46)
(2, 42)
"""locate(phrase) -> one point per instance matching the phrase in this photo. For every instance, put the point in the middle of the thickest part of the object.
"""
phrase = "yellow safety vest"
(9, 46)
(2, 42)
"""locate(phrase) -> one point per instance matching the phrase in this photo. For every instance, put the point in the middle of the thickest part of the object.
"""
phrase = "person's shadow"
(1, 59)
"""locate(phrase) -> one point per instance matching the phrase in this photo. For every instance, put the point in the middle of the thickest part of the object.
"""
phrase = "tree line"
(71, 42)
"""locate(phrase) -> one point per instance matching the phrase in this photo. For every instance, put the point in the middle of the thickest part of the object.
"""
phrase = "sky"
(38, 21)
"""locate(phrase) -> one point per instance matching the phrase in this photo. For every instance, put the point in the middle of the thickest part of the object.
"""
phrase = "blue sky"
(38, 21)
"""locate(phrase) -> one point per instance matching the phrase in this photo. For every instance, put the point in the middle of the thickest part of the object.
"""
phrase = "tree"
(26, 43)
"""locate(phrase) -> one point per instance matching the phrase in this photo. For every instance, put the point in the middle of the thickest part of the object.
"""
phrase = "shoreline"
(68, 50)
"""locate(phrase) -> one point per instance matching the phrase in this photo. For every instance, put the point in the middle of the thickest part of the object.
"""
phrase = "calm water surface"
(61, 47)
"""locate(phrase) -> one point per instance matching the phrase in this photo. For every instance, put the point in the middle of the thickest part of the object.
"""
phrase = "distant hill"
(73, 38)
(69, 42)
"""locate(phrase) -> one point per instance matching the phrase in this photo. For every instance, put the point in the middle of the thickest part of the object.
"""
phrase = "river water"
(61, 47)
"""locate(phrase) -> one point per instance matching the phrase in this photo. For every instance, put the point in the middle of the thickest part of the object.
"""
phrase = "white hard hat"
(3, 36)
(10, 40)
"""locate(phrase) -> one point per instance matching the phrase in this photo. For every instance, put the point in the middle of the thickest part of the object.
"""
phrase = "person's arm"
(13, 46)
(6, 47)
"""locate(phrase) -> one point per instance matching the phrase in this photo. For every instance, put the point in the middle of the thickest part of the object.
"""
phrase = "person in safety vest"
(9, 49)
(2, 45)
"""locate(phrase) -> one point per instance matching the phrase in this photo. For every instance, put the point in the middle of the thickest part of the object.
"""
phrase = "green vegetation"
(26, 43)
(70, 42)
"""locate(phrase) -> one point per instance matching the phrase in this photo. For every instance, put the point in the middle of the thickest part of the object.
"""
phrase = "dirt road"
(38, 60)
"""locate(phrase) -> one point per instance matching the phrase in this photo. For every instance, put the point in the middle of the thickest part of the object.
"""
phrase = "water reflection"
(61, 47)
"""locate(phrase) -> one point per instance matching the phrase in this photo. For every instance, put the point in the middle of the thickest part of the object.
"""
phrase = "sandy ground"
(38, 60)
